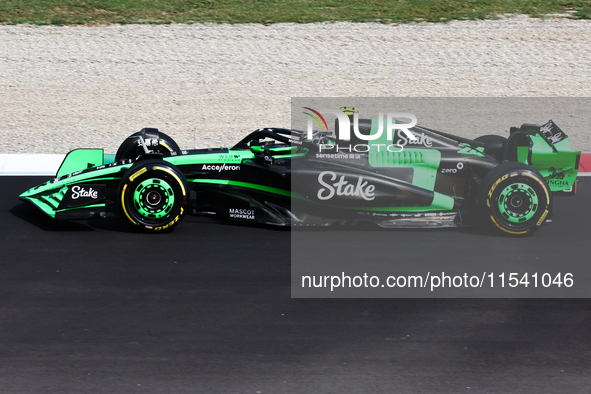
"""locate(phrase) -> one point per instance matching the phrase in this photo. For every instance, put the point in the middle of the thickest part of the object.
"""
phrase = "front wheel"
(515, 198)
(154, 195)
(153, 140)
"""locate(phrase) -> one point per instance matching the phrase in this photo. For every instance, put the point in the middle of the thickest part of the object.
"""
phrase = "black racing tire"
(494, 145)
(490, 138)
(154, 195)
(156, 141)
(514, 199)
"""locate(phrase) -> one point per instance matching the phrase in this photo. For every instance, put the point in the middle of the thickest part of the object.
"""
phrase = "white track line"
(29, 164)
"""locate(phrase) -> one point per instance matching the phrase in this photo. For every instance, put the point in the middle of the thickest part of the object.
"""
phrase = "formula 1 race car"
(283, 177)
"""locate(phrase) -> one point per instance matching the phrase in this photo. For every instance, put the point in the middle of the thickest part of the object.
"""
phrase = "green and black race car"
(282, 177)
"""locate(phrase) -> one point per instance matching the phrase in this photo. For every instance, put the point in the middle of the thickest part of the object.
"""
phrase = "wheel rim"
(518, 203)
(153, 198)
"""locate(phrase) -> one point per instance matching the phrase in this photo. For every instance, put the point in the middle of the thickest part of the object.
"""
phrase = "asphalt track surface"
(89, 307)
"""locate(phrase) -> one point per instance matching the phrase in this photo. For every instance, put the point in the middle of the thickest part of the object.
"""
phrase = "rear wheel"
(494, 145)
(515, 199)
(154, 195)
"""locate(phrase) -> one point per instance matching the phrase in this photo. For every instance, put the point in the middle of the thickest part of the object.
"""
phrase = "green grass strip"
(91, 12)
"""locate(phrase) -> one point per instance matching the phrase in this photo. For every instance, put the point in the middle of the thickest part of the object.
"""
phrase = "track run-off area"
(90, 306)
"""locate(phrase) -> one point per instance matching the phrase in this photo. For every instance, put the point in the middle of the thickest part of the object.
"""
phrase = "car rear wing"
(546, 148)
